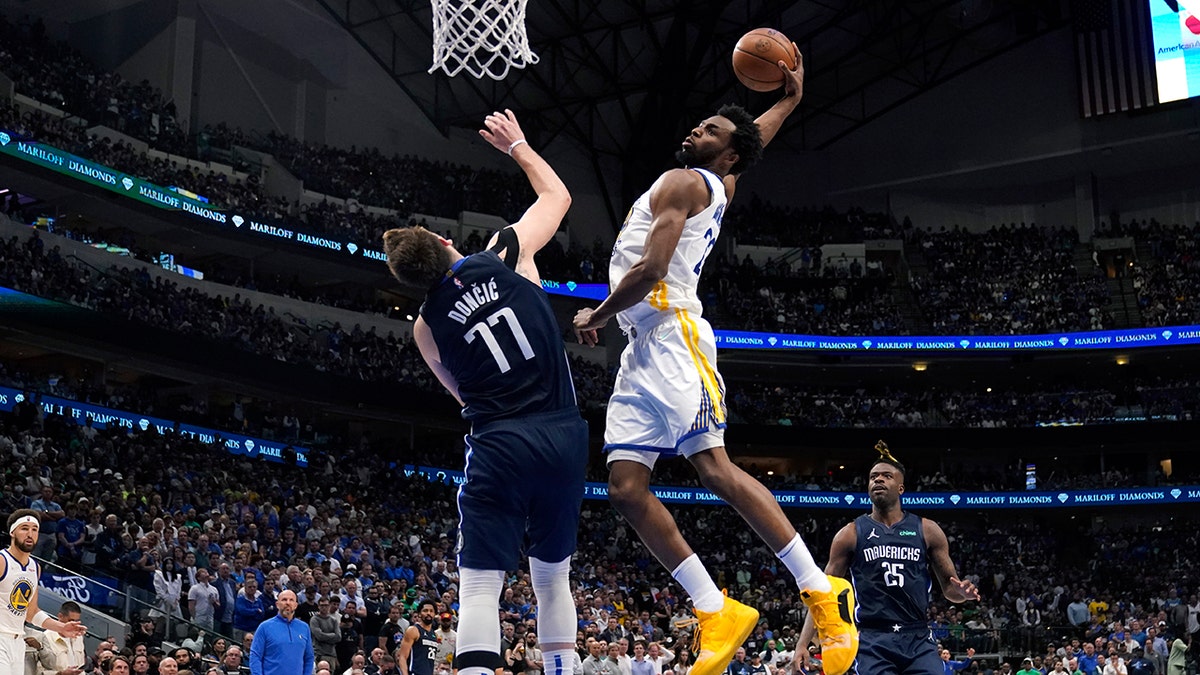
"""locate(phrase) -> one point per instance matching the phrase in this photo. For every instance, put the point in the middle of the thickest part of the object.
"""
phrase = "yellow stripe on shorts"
(691, 334)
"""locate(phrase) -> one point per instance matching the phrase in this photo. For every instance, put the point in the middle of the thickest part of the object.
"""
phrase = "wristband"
(515, 144)
(40, 618)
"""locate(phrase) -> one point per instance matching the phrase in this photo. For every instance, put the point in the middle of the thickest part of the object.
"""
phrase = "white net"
(483, 37)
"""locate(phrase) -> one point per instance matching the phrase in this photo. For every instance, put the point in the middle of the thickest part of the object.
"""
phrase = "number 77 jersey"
(497, 335)
(890, 573)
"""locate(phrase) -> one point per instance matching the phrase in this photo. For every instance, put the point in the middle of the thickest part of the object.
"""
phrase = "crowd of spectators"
(756, 222)
(1168, 284)
(182, 524)
(275, 420)
(405, 184)
(67, 134)
(366, 355)
(826, 307)
(1011, 280)
(57, 75)
(792, 404)
(356, 538)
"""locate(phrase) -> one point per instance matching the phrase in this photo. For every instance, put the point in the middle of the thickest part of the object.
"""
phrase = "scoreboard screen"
(1176, 28)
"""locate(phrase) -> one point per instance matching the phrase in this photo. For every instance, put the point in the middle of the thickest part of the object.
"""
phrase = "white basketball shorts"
(669, 398)
(12, 654)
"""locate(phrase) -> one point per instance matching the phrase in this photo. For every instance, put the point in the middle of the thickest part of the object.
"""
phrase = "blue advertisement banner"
(921, 500)
(84, 590)
(1105, 339)
(102, 418)
(570, 289)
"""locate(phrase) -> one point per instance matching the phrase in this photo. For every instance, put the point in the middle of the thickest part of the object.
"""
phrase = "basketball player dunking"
(18, 588)
(668, 396)
(889, 555)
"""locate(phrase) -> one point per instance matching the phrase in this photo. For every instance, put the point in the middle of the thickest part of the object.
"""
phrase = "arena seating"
(185, 502)
(354, 515)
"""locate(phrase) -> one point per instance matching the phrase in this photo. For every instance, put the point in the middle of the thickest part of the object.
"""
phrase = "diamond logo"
(867, 344)
(1175, 493)
(237, 221)
(127, 182)
(571, 285)
(19, 398)
(1063, 341)
(4, 138)
(955, 498)
(772, 340)
(1063, 497)
(849, 499)
(352, 247)
(249, 446)
(1167, 334)
(964, 343)
(143, 424)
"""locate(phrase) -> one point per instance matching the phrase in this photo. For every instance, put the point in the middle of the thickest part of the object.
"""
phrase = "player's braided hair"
(747, 138)
(886, 457)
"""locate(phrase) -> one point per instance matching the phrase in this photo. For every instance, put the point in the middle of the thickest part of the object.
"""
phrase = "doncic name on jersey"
(473, 298)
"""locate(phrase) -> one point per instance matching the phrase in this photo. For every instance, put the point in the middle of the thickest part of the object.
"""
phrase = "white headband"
(21, 521)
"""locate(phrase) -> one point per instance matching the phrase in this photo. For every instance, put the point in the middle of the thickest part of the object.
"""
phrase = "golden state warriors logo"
(18, 599)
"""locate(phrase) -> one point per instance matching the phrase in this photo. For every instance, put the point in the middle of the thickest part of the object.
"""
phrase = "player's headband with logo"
(21, 521)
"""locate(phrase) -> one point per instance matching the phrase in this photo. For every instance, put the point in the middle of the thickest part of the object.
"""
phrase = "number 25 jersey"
(498, 337)
(890, 572)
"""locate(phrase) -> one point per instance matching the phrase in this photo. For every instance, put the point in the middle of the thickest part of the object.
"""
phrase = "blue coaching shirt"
(498, 337)
(890, 573)
(281, 647)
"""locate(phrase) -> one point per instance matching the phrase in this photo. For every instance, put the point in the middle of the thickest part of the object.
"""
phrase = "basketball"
(757, 55)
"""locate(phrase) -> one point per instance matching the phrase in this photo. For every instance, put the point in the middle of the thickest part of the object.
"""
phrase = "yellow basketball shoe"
(833, 616)
(719, 634)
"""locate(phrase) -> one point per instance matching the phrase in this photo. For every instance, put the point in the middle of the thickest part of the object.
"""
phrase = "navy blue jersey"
(424, 652)
(498, 337)
(890, 573)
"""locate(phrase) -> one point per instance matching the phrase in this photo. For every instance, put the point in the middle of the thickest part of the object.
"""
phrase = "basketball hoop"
(483, 37)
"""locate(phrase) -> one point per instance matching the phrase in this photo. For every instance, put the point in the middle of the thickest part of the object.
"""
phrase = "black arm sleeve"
(506, 241)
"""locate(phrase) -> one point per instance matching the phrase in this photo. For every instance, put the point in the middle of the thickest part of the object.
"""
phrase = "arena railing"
(121, 600)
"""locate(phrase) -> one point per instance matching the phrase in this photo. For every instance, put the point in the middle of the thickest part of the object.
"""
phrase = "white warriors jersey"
(16, 591)
(678, 289)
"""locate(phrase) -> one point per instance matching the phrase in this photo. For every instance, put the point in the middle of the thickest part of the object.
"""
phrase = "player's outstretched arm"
(429, 351)
(40, 619)
(955, 589)
(670, 204)
(793, 90)
(541, 220)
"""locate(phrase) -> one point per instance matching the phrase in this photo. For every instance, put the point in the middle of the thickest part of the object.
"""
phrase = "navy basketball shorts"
(523, 489)
(906, 652)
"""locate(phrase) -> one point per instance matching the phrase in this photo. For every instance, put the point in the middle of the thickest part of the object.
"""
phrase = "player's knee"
(626, 494)
(543, 573)
(721, 478)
